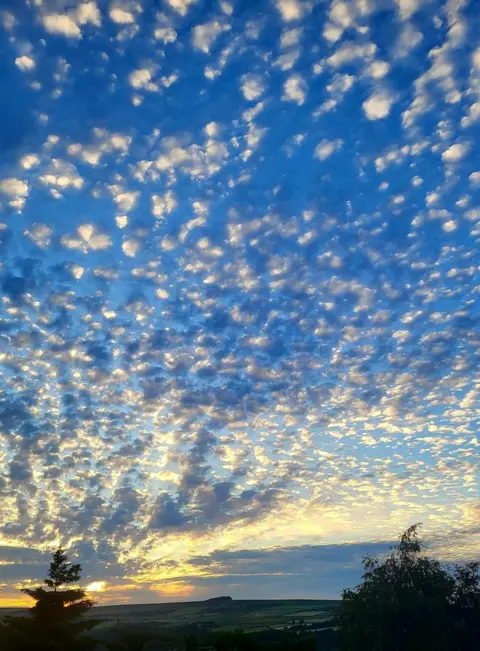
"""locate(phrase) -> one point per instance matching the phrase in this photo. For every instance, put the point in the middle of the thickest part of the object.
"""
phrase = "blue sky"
(239, 272)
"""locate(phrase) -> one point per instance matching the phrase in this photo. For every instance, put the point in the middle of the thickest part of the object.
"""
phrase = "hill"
(221, 613)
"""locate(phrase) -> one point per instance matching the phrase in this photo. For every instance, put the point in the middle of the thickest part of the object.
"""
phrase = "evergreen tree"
(56, 621)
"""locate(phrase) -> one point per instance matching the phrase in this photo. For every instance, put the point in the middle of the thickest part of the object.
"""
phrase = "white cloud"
(332, 32)
(326, 148)
(204, 36)
(142, 78)
(8, 20)
(378, 105)
(342, 13)
(121, 16)
(407, 8)
(61, 175)
(163, 204)
(120, 141)
(350, 51)
(252, 87)
(295, 89)
(61, 24)
(474, 178)
(126, 200)
(90, 155)
(165, 34)
(62, 182)
(290, 9)
(196, 161)
(88, 12)
(378, 69)
(472, 116)
(106, 143)
(287, 60)
(455, 152)
(40, 234)
(431, 198)
(181, 6)
(476, 58)
(14, 187)
(450, 226)
(87, 239)
(291, 37)
(407, 41)
(28, 161)
(211, 129)
(131, 247)
(25, 63)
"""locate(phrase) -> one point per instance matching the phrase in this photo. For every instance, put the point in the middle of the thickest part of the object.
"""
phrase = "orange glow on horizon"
(96, 586)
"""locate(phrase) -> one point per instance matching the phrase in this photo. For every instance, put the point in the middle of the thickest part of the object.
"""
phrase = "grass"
(251, 615)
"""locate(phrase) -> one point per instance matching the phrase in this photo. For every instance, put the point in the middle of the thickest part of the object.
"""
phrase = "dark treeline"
(406, 601)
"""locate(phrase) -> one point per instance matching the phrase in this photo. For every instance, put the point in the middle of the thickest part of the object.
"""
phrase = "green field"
(251, 615)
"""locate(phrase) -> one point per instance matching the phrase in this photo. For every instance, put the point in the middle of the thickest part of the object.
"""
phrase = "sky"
(239, 291)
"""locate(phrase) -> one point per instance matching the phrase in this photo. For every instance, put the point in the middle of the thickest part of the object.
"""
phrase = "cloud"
(476, 58)
(25, 63)
(455, 152)
(474, 178)
(378, 105)
(61, 24)
(86, 239)
(142, 79)
(407, 8)
(290, 9)
(349, 52)
(181, 6)
(407, 41)
(88, 12)
(13, 187)
(121, 16)
(163, 204)
(62, 175)
(204, 36)
(295, 89)
(450, 226)
(326, 148)
(242, 317)
(252, 87)
(131, 247)
(166, 34)
(378, 69)
(125, 200)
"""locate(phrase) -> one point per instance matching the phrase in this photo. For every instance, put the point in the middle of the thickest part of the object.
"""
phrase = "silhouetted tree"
(55, 622)
(466, 607)
(410, 602)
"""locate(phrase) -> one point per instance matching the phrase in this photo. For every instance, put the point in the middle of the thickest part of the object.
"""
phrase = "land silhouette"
(406, 601)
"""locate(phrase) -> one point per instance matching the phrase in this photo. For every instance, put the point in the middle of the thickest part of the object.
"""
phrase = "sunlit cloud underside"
(239, 270)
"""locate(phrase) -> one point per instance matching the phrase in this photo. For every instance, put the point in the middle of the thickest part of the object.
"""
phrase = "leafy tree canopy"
(409, 601)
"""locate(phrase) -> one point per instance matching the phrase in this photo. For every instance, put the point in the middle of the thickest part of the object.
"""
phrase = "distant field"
(251, 615)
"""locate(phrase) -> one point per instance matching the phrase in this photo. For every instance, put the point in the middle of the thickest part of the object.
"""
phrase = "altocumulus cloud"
(239, 282)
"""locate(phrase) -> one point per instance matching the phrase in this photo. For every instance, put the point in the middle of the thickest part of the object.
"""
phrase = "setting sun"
(96, 586)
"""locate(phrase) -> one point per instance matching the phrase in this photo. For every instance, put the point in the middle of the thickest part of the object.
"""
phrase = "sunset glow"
(239, 292)
(96, 586)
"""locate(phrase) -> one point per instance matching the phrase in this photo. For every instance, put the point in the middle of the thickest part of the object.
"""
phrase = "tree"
(410, 602)
(466, 607)
(56, 621)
